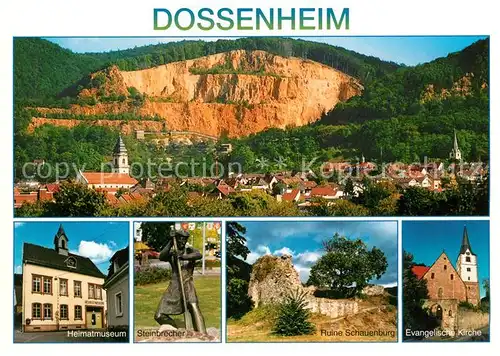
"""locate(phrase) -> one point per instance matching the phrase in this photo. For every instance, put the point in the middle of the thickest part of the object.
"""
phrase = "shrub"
(293, 316)
(238, 301)
(151, 275)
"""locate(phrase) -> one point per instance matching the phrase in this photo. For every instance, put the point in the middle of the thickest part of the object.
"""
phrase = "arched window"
(445, 267)
(432, 275)
(450, 313)
(451, 276)
(123, 160)
(467, 259)
(440, 293)
(63, 244)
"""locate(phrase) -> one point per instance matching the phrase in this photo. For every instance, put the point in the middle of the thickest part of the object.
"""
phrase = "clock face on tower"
(467, 253)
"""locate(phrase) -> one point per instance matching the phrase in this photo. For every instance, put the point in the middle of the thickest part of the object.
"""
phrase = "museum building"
(61, 290)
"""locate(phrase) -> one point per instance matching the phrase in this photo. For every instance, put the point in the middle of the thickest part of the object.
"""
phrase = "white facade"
(62, 298)
(467, 266)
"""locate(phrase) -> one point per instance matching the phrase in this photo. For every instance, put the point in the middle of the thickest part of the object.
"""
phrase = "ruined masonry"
(273, 278)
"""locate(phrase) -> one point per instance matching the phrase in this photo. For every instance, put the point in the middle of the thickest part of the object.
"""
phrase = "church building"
(455, 153)
(60, 290)
(449, 284)
(118, 178)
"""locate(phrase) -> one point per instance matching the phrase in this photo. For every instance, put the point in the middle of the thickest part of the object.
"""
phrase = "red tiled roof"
(52, 187)
(112, 199)
(225, 189)
(108, 178)
(323, 191)
(291, 196)
(419, 271)
(309, 184)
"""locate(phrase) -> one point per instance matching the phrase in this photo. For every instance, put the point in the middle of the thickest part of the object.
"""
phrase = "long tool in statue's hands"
(188, 321)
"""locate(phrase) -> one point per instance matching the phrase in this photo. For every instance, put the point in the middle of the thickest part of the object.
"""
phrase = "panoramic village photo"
(71, 282)
(446, 284)
(311, 281)
(264, 126)
(177, 281)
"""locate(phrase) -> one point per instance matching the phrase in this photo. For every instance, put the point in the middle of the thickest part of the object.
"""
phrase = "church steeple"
(455, 152)
(61, 241)
(467, 260)
(120, 157)
(465, 242)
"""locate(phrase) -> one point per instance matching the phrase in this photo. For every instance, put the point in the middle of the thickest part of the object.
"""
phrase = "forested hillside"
(43, 69)
(403, 114)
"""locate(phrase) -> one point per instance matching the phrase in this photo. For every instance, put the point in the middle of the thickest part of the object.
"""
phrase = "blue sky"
(426, 240)
(303, 240)
(407, 50)
(96, 240)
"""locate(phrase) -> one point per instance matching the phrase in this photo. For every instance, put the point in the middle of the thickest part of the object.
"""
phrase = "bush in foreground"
(293, 317)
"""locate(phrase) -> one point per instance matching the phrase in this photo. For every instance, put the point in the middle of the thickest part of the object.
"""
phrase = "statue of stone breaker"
(180, 296)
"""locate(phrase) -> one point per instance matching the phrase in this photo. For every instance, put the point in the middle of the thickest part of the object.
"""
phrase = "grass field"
(256, 326)
(148, 296)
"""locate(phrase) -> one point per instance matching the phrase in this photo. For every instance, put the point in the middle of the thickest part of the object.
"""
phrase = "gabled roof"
(419, 271)
(292, 196)
(47, 257)
(108, 178)
(120, 257)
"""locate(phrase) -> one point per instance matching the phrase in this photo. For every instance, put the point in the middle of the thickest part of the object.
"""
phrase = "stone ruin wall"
(273, 278)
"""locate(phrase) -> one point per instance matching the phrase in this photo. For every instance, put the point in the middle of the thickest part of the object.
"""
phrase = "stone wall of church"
(443, 281)
(473, 296)
(472, 320)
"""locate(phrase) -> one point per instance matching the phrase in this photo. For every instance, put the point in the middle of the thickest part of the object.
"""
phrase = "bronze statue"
(180, 296)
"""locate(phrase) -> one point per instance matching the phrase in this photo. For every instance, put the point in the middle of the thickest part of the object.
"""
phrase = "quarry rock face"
(274, 278)
(235, 93)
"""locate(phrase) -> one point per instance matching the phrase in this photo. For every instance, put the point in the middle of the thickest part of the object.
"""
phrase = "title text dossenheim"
(249, 19)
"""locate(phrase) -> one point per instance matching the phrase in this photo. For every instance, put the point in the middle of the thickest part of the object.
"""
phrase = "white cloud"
(389, 285)
(308, 257)
(19, 269)
(303, 272)
(112, 244)
(97, 252)
(261, 250)
(18, 224)
(284, 251)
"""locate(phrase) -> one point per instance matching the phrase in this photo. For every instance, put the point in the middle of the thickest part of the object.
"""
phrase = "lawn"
(256, 325)
(148, 296)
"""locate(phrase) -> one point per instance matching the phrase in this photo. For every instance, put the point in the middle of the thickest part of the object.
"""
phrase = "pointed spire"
(119, 146)
(61, 231)
(465, 242)
(455, 142)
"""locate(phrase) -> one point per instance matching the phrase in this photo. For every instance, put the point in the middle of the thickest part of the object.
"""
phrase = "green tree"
(156, 234)
(75, 199)
(293, 316)
(238, 301)
(415, 317)
(347, 266)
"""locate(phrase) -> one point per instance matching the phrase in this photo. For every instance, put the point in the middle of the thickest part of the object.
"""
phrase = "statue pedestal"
(169, 333)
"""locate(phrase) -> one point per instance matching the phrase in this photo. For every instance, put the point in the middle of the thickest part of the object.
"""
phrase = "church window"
(445, 267)
(63, 244)
(467, 259)
(451, 276)
(432, 275)
(468, 278)
(440, 293)
(468, 269)
(450, 313)
(123, 160)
